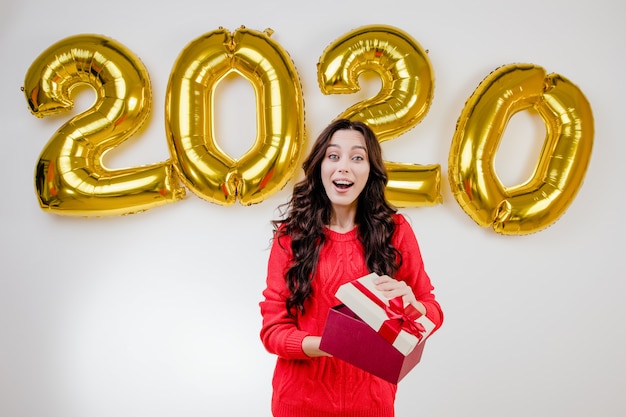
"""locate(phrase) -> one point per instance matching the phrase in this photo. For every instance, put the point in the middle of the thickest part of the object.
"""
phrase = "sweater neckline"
(341, 237)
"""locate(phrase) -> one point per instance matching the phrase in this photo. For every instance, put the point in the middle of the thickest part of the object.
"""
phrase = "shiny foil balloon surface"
(405, 96)
(559, 172)
(269, 164)
(70, 177)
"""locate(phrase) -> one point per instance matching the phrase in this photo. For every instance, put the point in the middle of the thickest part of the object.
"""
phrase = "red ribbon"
(400, 317)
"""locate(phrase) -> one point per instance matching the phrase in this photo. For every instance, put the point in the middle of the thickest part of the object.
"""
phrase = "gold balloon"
(407, 85)
(559, 173)
(267, 166)
(70, 178)
(412, 185)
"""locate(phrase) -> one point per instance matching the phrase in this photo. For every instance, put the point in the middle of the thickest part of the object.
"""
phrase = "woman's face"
(345, 168)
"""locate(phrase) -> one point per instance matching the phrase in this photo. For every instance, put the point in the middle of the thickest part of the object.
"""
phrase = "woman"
(337, 227)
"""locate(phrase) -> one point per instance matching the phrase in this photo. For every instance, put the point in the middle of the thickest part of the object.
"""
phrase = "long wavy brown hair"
(309, 210)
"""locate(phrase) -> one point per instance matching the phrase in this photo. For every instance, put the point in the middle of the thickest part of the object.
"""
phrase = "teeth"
(343, 183)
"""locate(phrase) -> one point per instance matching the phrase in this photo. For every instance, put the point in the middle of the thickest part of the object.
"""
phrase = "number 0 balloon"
(269, 164)
(540, 201)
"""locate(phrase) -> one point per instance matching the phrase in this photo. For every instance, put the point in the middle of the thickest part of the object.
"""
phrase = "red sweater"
(326, 386)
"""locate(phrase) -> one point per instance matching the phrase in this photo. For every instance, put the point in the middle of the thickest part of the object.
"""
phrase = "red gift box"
(348, 337)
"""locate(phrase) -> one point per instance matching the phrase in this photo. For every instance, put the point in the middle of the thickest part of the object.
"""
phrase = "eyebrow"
(332, 145)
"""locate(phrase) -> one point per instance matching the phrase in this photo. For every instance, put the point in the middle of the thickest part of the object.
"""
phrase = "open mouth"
(343, 184)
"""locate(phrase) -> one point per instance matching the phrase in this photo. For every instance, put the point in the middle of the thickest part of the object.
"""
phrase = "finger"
(391, 284)
(382, 279)
(386, 287)
(394, 291)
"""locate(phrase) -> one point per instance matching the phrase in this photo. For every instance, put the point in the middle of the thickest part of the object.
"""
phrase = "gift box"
(380, 336)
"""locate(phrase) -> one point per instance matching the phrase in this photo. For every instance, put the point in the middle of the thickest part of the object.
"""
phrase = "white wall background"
(157, 313)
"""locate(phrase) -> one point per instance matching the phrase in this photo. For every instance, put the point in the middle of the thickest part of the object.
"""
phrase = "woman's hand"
(311, 346)
(392, 288)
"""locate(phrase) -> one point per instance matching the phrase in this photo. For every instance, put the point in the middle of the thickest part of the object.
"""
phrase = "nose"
(342, 166)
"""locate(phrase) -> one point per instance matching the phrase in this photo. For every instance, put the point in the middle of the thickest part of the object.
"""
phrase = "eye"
(333, 156)
(358, 158)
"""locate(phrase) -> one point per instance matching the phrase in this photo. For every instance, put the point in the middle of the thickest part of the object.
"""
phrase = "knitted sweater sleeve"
(279, 332)
(412, 270)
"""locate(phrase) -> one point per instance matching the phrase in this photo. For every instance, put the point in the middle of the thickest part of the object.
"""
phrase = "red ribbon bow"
(400, 317)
